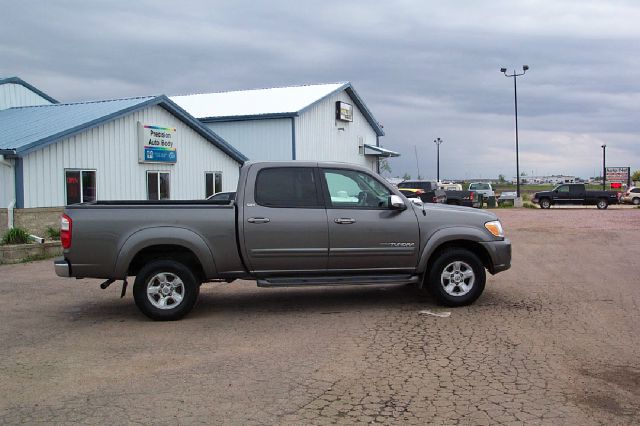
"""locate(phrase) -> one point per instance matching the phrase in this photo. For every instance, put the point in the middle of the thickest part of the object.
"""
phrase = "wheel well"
(472, 246)
(166, 251)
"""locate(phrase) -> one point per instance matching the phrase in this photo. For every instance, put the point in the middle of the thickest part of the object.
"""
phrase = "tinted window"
(158, 185)
(348, 188)
(287, 187)
(425, 186)
(563, 188)
(635, 190)
(80, 186)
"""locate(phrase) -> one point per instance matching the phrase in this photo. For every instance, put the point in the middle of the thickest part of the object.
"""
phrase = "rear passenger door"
(284, 221)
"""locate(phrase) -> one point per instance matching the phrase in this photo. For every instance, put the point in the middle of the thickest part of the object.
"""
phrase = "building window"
(212, 183)
(80, 186)
(158, 186)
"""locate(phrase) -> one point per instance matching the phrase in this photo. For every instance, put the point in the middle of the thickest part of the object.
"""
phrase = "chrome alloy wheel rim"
(602, 204)
(457, 278)
(165, 290)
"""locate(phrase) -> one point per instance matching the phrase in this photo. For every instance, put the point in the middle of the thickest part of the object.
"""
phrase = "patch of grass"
(529, 206)
(505, 205)
(53, 233)
(16, 236)
(526, 197)
(35, 258)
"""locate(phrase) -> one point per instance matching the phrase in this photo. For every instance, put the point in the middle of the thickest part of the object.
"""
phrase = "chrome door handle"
(344, 221)
(258, 220)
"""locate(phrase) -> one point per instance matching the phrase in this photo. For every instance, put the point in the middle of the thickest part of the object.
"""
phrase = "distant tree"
(501, 178)
(406, 176)
(636, 176)
(385, 166)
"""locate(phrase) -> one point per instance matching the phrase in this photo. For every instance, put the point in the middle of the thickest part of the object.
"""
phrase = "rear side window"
(635, 190)
(287, 187)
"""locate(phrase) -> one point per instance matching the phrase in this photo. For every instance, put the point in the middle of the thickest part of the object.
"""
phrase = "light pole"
(515, 98)
(604, 167)
(415, 148)
(438, 141)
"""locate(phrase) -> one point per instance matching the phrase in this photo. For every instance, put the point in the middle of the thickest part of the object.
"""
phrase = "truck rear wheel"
(456, 278)
(545, 203)
(165, 290)
(602, 204)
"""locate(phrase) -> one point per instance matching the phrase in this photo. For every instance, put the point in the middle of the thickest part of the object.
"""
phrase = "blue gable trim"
(17, 80)
(162, 101)
(248, 117)
(24, 150)
(359, 103)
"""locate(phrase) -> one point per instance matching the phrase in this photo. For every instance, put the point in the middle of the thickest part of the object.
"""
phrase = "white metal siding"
(259, 140)
(112, 150)
(319, 136)
(16, 95)
(7, 186)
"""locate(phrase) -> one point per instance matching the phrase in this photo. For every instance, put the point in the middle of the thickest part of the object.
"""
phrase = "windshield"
(479, 186)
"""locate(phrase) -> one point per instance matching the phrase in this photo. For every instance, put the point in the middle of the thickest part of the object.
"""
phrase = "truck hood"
(462, 215)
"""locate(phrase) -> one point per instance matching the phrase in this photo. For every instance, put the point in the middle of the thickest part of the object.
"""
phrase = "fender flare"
(444, 235)
(164, 235)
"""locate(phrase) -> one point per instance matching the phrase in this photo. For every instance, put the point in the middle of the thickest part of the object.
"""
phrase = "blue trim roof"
(26, 129)
(17, 80)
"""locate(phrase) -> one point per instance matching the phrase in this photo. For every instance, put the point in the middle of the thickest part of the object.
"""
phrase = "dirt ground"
(554, 340)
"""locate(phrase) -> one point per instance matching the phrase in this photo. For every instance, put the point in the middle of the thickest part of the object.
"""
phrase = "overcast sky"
(426, 69)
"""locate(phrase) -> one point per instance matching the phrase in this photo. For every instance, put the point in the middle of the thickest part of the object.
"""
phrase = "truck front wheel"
(165, 290)
(456, 278)
(545, 203)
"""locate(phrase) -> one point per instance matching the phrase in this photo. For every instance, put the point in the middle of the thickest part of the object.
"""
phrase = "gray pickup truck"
(291, 224)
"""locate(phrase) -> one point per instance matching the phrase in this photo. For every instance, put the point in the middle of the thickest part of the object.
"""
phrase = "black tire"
(162, 274)
(636, 201)
(545, 203)
(437, 285)
(602, 204)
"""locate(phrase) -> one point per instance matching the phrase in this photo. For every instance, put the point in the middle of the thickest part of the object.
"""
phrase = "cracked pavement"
(554, 340)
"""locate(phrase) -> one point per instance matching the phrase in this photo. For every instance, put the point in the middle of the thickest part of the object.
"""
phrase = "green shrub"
(53, 233)
(529, 206)
(526, 197)
(16, 236)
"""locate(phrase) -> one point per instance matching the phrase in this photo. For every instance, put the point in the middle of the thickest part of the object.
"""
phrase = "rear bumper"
(500, 253)
(62, 267)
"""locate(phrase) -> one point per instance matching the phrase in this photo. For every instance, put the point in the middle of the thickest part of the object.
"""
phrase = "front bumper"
(500, 253)
(62, 267)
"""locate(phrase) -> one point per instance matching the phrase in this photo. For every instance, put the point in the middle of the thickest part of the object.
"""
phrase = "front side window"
(212, 183)
(352, 189)
(563, 188)
(287, 187)
(80, 186)
(158, 185)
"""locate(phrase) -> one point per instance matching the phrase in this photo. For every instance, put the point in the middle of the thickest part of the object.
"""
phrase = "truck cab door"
(364, 232)
(562, 195)
(284, 221)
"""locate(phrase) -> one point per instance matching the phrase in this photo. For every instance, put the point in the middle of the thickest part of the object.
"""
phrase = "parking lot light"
(515, 97)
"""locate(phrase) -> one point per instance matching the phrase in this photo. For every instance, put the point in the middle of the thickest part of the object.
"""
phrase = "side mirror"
(396, 203)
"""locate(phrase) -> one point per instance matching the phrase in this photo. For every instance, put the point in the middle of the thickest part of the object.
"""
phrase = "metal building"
(137, 148)
(321, 122)
(15, 92)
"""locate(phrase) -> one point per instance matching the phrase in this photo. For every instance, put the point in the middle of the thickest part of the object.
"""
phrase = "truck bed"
(208, 227)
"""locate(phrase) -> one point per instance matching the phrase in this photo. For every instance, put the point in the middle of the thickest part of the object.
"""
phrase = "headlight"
(495, 227)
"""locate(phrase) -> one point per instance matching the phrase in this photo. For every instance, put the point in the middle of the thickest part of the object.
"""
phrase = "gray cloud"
(425, 69)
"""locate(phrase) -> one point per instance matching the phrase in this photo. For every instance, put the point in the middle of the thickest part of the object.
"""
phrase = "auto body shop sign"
(618, 174)
(156, 144)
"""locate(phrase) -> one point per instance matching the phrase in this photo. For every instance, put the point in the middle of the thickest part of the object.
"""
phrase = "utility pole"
(415, 148)
(604, 162)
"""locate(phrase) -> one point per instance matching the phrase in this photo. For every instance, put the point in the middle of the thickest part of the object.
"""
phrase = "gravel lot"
(554, 340)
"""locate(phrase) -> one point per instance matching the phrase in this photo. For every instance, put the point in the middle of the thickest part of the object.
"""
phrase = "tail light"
(471, 196)
(65, 231)
(435, 199)
(419, 191)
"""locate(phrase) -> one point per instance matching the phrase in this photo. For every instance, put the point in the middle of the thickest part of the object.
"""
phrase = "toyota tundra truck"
(291, 224)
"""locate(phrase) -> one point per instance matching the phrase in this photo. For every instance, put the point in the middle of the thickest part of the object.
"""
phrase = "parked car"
(430, 191)
(575, 194)
(507, 196)
(291, 225)
(482, 188)
(463, 198)
(223, 196)
(631, 196)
